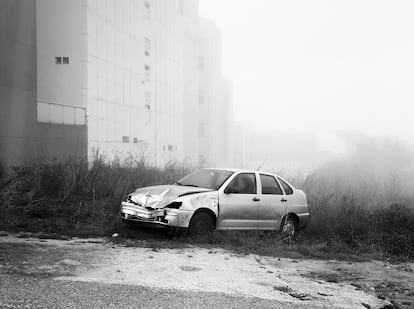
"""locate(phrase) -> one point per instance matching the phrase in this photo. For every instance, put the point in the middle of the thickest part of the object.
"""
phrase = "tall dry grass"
(75, 197)
(365, 199)
(360, 203)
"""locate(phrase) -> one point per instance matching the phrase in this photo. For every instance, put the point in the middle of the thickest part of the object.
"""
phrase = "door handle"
(283, 200)
(256, 199)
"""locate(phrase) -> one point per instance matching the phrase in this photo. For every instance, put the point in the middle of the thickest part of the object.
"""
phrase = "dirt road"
(99, 273)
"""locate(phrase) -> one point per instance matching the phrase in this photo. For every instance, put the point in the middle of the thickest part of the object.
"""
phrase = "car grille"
(134, 217)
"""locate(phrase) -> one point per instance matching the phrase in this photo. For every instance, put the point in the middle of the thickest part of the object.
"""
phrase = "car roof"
(237, 170)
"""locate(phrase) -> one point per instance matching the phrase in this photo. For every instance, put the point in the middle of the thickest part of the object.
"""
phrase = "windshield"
(205, 178)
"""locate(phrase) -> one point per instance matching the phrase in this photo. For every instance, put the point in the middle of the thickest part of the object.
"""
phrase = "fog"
(329, 75)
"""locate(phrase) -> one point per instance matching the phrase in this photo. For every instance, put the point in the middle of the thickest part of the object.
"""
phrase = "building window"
(136, 141)
(68, 115)
(60, 114)
(170, 147)
(43, 112)
(80, 116)
(125, 139)
(147, 73)
(56, 113)
(147, 107)
(147, 46)
(62, 60)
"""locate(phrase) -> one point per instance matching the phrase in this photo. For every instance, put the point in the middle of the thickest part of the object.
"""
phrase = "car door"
(273, 202)
(288, 190)
(239, 203)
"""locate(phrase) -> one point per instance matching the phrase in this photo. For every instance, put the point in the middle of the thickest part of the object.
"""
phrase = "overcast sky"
(319, 65)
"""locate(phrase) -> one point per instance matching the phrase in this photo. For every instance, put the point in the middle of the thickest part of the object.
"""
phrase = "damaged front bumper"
(161, 217)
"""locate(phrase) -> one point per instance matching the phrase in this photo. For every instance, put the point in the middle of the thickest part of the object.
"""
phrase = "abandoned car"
(222, 199)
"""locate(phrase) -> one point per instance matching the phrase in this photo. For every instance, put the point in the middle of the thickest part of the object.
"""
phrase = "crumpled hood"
(161, 196)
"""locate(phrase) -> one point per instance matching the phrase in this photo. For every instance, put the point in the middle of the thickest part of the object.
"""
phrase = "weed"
(351, 213)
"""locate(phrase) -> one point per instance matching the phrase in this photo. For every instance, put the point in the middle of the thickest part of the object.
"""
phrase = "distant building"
(120, 78)
(215, 99)
(239, 145)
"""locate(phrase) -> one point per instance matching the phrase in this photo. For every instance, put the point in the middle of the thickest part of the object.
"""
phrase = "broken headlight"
(174, 205)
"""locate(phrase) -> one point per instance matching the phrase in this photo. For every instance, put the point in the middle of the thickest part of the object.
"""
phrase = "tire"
(201, 224)
(289, 226)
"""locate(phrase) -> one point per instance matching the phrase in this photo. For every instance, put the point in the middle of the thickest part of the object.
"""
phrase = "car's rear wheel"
(201, 224)
(289, 226)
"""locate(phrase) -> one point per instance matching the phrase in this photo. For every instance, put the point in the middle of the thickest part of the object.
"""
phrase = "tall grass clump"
(365, 200)
(75, 197)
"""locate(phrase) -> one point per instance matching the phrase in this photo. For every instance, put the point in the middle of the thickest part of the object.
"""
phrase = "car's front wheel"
(201, 224)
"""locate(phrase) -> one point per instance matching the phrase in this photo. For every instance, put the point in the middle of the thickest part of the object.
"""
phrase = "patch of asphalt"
(27, 292)
(33, 257)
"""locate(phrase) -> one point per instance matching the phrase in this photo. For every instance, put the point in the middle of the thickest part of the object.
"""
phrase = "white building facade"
(215, 100)
(125, 74)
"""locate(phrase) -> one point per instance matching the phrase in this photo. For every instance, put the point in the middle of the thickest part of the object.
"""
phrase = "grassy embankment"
(354, 211)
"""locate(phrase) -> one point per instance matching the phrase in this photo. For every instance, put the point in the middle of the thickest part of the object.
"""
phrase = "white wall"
(120, 88)
(61, 88)
(215, 111)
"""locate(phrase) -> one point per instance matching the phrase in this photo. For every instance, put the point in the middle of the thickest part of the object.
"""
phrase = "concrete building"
(22, 135)
(119, 78)
(215, 100)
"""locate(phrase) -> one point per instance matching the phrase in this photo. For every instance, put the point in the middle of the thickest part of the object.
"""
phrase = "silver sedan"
(222, 199)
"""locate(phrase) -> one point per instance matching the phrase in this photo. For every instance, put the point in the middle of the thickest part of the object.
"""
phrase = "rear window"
(288, 189)
(270, 185)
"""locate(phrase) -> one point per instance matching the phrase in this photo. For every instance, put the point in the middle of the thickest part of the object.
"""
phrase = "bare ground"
(307, 283)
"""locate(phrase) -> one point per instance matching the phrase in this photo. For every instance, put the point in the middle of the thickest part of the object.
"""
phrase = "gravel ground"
(95, 273)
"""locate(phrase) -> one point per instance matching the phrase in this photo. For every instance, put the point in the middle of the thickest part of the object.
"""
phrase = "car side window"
(288, 189)
(244, 183)
(270, 185)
